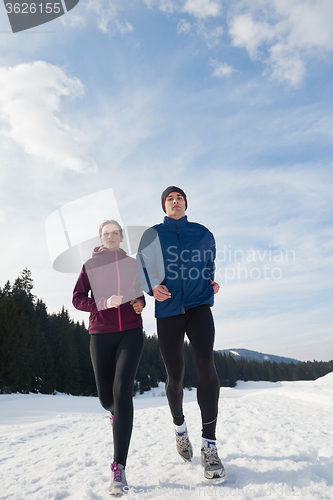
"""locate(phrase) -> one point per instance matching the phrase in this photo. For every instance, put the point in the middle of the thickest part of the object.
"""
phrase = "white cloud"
(204, 12)
(221, 70)
(285, 212)
(202, 8)
(183, 27)
(108, 14)
(124, 28)
(167, 6)
(278, 216)
(73, 20)
(104, 24)
(30, 108)
(286, 65)
(105, 13)
(211, 35)
(247, 33)
(283, 34)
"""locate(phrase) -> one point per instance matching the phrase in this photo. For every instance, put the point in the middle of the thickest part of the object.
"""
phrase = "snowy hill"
(256, 356)
(275, 441)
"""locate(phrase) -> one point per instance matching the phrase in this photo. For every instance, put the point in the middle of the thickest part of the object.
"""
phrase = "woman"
(108, 287)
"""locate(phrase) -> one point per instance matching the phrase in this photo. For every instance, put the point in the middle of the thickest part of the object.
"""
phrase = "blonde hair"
(110, 221)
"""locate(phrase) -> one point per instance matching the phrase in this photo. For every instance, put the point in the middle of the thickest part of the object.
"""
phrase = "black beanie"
(172, 189)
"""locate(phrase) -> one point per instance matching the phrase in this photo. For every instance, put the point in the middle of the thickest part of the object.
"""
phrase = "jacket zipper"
(183, 282)
(118, 273)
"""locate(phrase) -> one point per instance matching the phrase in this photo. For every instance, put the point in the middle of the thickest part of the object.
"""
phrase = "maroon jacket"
(109, 273)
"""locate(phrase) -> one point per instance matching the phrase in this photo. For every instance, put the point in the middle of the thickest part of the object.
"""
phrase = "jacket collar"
(174, 222)
(101, 249)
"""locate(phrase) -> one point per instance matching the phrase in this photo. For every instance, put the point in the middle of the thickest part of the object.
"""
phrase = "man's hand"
(114, 301)
(161, 293)
(216, 286)
(137, 305)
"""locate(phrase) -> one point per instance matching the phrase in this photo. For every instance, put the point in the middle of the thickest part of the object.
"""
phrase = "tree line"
(49, 353)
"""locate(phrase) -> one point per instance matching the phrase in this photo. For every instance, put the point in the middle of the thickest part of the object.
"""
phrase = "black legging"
(198, 324)
(115, 358)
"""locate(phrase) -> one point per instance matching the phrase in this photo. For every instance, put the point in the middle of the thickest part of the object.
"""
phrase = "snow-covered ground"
(276, 441)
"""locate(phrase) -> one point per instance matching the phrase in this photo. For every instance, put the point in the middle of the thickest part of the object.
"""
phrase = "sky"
(231, 101)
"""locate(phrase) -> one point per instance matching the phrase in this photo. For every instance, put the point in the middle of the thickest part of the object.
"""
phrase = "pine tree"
(87, 378)
(221, 367)
(9, 343)
(5, 291)
(232, 371)
(14, 367)
(190, 375)
(47, 353)
(62, 341)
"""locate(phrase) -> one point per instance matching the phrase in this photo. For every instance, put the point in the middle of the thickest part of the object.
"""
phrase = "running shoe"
(211, 462)
(118, 484)
(184, 446)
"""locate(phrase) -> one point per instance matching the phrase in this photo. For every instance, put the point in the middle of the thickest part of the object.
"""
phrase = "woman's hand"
(114, 301)
(137, 305)
(216, 286)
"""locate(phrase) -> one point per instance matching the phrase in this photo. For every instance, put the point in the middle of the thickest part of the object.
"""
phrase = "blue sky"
(232, 101)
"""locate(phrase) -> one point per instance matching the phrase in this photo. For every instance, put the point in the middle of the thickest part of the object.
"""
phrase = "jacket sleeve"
(81, 299)
(150, 261)
(138, 291)
(211, 260)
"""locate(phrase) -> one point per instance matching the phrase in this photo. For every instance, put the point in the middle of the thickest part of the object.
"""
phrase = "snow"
(235, 353)
(275, 441)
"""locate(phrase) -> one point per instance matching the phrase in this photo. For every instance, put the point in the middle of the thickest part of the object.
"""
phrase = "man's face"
(174, 205)
(110, 237)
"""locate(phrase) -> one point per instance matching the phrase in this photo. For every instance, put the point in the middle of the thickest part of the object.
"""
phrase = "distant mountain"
(256, 356)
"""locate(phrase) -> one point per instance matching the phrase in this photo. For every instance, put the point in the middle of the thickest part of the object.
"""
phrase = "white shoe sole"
(214, 474)
(118, 492)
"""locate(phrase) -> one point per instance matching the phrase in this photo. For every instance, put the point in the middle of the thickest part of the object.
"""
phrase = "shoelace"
(211, 454)
(183, 440)
(117, 473)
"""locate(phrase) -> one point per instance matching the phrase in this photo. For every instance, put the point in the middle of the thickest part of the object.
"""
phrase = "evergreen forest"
(49, 353)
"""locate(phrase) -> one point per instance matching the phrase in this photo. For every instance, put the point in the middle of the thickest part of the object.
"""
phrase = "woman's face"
(110, 237)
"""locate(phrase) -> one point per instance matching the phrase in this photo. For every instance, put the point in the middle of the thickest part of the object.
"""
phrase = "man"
(176, 266)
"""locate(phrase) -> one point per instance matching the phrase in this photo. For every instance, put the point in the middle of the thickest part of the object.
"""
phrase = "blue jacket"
(180, 255)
